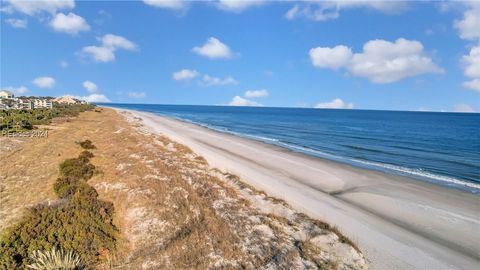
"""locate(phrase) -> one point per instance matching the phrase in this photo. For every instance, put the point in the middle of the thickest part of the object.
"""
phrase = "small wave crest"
(421, 173)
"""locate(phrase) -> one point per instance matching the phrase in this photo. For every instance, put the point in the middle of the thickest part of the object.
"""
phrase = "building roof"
(6, 92)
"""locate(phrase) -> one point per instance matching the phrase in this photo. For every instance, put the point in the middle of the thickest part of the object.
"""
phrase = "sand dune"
(398, 222)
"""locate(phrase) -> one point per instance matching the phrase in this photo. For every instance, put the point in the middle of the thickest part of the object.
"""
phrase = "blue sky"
(337, 54)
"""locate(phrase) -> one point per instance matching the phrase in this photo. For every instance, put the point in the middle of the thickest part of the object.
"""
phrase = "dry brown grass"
(172, 209)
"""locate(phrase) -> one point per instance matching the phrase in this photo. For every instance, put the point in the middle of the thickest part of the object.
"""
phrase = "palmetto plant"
(55, 260)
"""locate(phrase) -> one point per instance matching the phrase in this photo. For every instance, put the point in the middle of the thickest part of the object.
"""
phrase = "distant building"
(42, 103)
(66, 100)
(6, 94)
(25, 104)
(9, 101)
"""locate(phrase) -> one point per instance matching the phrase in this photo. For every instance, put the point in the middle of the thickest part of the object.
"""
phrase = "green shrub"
(87, 144)
(19, 120)
(64, 187)
(77, 168)
(80, 222)
(86, 154)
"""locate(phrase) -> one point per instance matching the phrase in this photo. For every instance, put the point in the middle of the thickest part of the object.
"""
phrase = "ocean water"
(443, 148)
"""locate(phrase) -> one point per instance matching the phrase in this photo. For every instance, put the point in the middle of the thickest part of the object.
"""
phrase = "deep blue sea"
(443, 148)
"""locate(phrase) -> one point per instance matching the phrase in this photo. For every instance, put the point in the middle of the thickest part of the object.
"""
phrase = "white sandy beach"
(399, 223)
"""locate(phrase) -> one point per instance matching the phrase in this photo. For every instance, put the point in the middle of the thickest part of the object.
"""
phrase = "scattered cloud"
(471, 63)
(70, 23)
(16, 90)
(238, 6)
(90, 86)
(94, 98)
(334, 58)
(99, 54)
(256, 93)
(136, 94)
(109, 44)
(117, 42)
(381, 61)
(168, 4)
(334, 104)
(472, 84)
(185, 74)
(214, 49)
(245, 101)
(205, 80)
(208, 80)
(329, 10)
(44, 82)
(469, 26)
(239, 101)
(39, 6)
(17, 23)
(63, 64)
(465, 108)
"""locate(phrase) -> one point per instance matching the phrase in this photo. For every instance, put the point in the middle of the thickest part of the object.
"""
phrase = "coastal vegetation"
(22, 120)
(55, 259)
(78, 223)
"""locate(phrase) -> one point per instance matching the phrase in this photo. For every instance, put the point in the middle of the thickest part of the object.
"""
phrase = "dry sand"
(398, 222)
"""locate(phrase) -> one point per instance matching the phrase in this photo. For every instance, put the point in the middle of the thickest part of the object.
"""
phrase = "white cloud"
(335, 104)
(70, 23)
(40, 6)
(381, 61)
(63, 64)
(136, 94)
(313, 13)
(167, 4)
(239, 101)
(214, 49)
(106, 52)
(329, 10)
(94, 98)
(472, 84)
(472, 63)
(334, 58)
(44, 82)
(99, 54)
(90, 86)
(256, 93)
(208, 80)
(17, 23)
(238, 6)
(469, 25)
(463, 108)
(117, 42)
(185, 74)
(16, 90)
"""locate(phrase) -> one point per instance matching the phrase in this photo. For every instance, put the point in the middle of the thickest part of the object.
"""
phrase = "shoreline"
(418, 174)
(398, 222)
